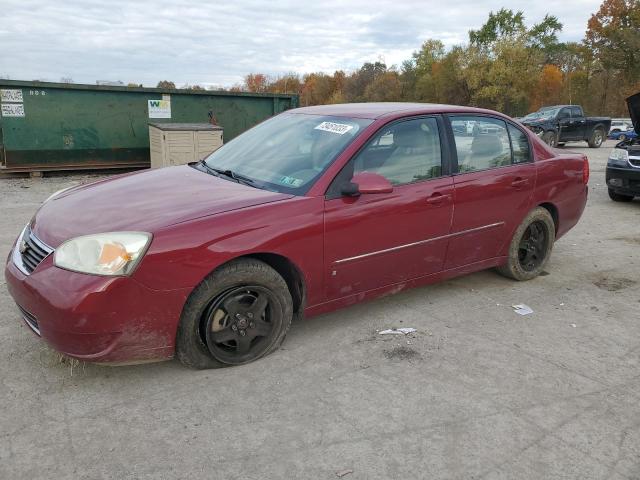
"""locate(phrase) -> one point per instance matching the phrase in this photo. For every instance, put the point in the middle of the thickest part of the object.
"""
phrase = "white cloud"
(211, 43)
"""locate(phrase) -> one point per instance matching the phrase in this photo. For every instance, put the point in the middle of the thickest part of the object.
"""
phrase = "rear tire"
(241, 312)
(597, 137)
(530, 246)
(618, 197)
(622, 137)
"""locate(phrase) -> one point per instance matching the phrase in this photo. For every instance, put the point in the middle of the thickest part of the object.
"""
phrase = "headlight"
(55, 194)
(115, 253)
(618, 158)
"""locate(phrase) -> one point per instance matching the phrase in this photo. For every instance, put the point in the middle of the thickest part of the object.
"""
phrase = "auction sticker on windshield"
(339, 128)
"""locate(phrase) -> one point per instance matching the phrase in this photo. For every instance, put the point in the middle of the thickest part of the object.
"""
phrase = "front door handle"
(438, 198)
(519, 182)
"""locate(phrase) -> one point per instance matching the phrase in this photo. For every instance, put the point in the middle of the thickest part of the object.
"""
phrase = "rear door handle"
(438, 198)
(519, 182)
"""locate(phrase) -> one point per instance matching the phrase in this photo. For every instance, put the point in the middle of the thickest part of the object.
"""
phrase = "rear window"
(484, 142)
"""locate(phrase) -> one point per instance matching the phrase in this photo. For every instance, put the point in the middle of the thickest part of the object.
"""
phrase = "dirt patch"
(613, 284)
(401, 353)
(630, 240)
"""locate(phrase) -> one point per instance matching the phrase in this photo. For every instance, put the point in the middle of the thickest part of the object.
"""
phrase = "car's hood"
(534, 121)
(143, 201)
(633, 102)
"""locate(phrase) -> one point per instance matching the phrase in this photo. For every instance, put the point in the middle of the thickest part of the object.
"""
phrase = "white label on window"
(339, 128)
(11, 95)
(12, 110)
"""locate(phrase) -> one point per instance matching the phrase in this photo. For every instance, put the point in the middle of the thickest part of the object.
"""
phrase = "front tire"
(597, 137)
(530, 246)
(622, 137)
(618, 197)
(550, 138)
(241, 312)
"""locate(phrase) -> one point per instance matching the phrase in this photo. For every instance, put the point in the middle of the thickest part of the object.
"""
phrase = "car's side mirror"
(367, 182)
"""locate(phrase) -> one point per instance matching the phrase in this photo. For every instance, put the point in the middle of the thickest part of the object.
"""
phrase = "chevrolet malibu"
(312, 210)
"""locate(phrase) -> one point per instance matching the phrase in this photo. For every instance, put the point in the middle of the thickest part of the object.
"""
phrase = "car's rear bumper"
(624, 181)
(94, 318)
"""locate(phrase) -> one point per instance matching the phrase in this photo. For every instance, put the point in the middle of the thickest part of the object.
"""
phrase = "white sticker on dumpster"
(339, 128)
(12, 110)
(10, 95)
(159, 108)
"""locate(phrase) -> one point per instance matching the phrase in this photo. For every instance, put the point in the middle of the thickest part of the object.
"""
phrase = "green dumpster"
(54, 126)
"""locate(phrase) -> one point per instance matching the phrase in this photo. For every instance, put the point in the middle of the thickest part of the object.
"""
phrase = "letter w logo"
(154, 103)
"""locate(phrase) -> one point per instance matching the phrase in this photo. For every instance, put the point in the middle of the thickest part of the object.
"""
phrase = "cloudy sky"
(217, 43)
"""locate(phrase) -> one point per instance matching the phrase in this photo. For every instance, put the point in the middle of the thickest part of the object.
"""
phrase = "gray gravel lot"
(478, 392)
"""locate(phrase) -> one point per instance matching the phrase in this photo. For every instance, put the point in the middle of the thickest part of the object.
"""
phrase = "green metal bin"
(54, 126)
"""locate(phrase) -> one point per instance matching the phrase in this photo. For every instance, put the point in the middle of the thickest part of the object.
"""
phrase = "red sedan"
(312, 210)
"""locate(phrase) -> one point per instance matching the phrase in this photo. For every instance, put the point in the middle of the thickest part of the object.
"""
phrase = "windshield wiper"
(230, 174)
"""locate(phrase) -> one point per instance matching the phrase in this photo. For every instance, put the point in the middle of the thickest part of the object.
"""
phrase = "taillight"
(585, 170)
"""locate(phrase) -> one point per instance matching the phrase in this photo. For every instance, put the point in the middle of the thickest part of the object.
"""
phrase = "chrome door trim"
(421, 242)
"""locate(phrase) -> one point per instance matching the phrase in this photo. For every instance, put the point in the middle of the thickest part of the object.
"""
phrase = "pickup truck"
(559, 124)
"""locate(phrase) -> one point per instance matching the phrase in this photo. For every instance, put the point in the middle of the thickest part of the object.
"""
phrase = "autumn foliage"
(505, 66)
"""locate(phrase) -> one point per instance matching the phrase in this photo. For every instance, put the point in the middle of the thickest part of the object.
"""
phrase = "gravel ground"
(477, 392)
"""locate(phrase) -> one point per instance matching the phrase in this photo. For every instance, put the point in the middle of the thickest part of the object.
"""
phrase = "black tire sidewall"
(512, 268)
(190, 347)
(618, 197)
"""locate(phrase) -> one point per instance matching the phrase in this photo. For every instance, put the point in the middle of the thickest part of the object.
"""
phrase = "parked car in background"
(620, 125)
(623, 166)
(628, 134)
(559, 124)
(312, 210)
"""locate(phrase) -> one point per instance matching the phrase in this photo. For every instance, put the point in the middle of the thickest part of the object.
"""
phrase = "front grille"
(32, 251)
(31, 320)
(635, 161)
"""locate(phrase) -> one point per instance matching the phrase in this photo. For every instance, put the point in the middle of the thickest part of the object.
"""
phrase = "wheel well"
(551, 208)
(291, 274)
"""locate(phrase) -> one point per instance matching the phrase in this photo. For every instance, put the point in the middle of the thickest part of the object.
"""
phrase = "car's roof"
(383, 109)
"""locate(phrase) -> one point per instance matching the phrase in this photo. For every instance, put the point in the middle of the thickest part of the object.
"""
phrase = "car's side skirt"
(398, 287)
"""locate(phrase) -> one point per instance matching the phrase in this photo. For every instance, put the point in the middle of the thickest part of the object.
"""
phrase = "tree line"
(505, 66)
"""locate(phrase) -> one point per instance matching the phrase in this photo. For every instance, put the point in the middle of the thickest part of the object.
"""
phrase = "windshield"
(287, 153)
(543, 114)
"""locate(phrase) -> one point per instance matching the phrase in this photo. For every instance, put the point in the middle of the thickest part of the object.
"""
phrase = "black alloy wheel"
(533, 246)
(240, 324)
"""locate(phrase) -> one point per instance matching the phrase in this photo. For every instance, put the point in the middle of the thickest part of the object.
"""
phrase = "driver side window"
(564, 113)
(404, 152)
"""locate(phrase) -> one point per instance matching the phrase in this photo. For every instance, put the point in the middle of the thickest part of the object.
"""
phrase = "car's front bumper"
(624, 181)
(96, 318)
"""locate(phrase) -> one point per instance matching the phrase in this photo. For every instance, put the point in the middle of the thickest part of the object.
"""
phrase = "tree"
(548, 90)
(501, 24)
(544, 37)
(166, 84)
(256, 82)
(356, 84)
(613, 35)
(384, 88)
(426, 64)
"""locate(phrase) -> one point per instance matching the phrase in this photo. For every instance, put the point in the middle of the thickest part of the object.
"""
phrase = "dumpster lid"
(185, 126)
